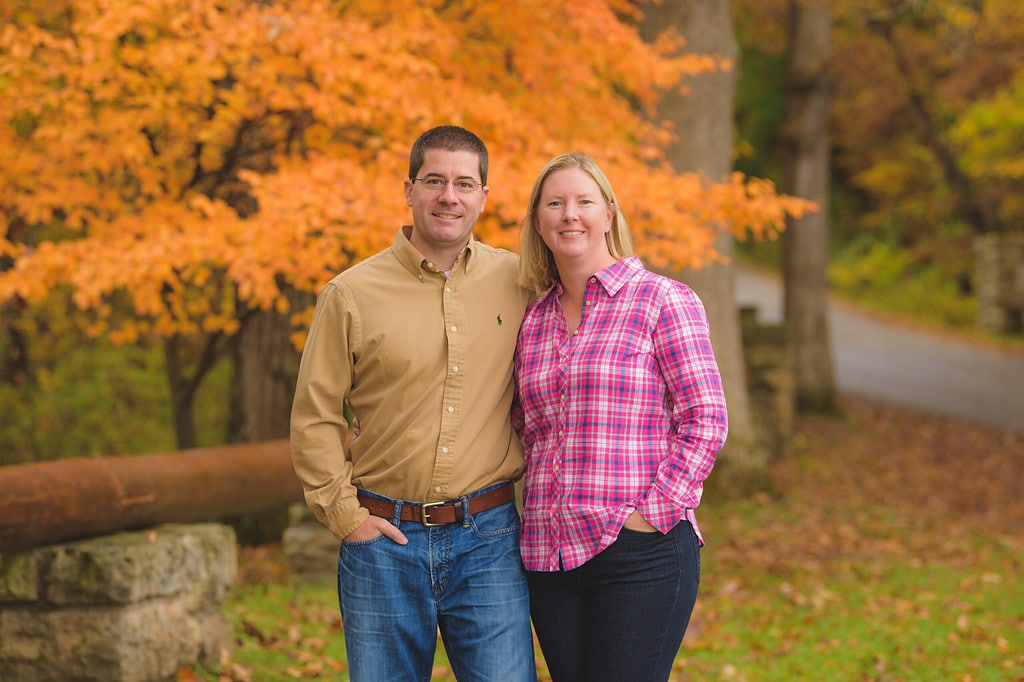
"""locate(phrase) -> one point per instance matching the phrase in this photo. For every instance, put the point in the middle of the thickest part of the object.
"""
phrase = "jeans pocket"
(364, 543)
(503, 520)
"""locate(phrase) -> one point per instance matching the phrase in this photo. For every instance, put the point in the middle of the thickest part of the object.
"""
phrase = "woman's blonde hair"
(537, 270)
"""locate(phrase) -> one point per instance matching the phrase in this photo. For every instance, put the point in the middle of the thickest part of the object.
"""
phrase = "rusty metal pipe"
(45, 503)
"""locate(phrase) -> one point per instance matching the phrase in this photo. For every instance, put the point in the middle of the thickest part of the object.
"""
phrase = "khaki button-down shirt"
(425, 362)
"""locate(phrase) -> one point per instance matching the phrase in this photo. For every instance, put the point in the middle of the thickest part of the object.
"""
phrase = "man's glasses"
(437, 184)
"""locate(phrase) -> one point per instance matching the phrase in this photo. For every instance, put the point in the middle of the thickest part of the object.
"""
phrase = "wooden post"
(49, 502)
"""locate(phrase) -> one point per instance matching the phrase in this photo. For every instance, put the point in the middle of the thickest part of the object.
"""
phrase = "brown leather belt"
(438, 513)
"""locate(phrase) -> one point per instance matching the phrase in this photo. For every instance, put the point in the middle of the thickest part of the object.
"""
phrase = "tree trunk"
(15, 363)
(183, 390)
(805, 243)
(187, 361)
(266, 365)
(704, 119)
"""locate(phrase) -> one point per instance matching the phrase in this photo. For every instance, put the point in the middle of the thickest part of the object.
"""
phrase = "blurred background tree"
(925, 146)
(704, 111)
(184, 176)
(177, 180)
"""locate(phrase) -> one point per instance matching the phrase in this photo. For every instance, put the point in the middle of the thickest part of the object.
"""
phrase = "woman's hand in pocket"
(639, 523)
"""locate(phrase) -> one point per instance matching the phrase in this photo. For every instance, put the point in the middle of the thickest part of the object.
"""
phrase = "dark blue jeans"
(622, 615)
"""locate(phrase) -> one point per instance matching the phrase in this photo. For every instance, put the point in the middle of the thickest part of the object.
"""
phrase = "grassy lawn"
(893, 551)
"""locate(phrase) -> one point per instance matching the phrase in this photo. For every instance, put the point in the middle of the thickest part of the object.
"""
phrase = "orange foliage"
(200, 156)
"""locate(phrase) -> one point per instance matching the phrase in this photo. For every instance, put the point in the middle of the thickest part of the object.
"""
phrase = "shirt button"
(437, 489)
(454, 328)
(451, 409)
(444, 450)
(447, 290)
(455, 368)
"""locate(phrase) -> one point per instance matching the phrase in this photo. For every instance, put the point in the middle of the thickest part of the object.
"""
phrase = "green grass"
(848, 621)
(851, 618)
(867, 568)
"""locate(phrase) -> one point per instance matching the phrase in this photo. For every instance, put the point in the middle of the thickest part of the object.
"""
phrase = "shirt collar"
(618, 274)
(413, 261)
(611, 279)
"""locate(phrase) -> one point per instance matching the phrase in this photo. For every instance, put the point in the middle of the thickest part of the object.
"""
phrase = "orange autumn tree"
(173, 166)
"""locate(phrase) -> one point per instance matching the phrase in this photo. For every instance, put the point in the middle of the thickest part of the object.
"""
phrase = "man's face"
(444, 218)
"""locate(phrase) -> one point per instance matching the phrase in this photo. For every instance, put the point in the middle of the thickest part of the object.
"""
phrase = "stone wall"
(999, 281)
(127, 607)
(768, 354)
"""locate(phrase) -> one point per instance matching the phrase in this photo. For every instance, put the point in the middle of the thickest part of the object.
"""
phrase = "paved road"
(907, 367)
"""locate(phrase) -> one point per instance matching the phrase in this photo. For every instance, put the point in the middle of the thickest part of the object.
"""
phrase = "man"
(417, 341)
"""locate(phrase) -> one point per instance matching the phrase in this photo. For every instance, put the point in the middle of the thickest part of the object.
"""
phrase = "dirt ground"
(891, 480)
(950, 470)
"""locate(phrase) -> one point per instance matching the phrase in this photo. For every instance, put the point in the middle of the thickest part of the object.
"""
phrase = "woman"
(621, 411)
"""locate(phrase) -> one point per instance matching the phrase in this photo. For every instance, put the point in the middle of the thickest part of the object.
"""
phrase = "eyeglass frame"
(455, 183)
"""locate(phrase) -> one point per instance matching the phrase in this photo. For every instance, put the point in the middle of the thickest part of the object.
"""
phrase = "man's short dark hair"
(449, 138)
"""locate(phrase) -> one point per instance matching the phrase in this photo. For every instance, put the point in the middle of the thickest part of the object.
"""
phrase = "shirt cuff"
(661, 511)
(344, 519)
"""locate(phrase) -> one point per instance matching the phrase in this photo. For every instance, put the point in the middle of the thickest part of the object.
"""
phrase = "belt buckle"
(426, 513)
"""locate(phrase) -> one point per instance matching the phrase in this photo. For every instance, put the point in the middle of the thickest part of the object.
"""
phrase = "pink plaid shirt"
(628, 414)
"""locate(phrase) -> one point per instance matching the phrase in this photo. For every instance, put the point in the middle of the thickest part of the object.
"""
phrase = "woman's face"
(573, 218)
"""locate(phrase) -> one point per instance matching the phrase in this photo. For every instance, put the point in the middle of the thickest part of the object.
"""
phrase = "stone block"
(309, 548)
(129, 607)
(19, 577)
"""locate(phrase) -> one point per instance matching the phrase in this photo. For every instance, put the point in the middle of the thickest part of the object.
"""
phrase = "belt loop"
(397, 519)
(465, 511)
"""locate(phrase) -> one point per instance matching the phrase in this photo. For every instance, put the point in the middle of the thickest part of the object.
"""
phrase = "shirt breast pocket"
(630, 372)
(637, 354)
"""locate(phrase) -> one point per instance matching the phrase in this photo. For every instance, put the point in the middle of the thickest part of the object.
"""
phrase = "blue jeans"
(465, 579)
(622, 615)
